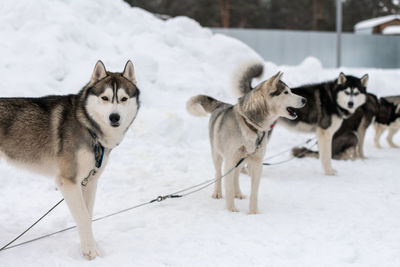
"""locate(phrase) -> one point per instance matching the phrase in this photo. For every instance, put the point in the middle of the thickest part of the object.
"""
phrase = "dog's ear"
(99, 72)
(129, 72)
(341, 79)
(277, 77)
(364, 80)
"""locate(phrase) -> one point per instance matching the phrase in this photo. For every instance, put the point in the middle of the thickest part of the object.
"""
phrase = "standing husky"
(348, 141)
(237, 131)
(388, 117)
(328, 104)
(71, 137)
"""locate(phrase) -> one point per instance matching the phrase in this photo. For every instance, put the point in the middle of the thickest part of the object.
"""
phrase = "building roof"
(370, 23)
(394, 29)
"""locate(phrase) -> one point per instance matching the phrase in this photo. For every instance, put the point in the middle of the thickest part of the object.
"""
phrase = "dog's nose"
(350, 104)
(114, 118)
(303, 101)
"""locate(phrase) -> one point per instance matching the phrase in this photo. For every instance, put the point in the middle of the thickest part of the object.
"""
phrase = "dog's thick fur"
(236, 130)
(348, 141)
(327, 105)
(55, 135)
(388, 117)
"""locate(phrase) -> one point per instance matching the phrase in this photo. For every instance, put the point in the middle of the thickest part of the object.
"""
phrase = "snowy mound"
(55, 44)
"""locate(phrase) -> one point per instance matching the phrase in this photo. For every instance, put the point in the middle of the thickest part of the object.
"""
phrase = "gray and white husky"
(71, 136)
(241, 130)
(328, 104)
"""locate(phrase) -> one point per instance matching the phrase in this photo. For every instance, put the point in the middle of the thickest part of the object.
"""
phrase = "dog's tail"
(302, 152)
(202, 105)
(244, 76)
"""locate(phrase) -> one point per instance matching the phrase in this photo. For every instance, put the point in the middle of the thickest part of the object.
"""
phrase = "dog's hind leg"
(238, 193)
(389, 138)
(344, 146)
(255, 170)
(379, 129)
(72, 193)
(217, 160)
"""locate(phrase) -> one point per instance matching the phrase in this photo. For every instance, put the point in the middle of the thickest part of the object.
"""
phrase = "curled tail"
(302, 152)
(201, 105)
(242, 81)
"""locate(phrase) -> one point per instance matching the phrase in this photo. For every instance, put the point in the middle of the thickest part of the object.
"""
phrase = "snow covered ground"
(306, 218)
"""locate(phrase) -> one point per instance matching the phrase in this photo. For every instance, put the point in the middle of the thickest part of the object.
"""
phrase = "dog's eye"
(124, 99)
(104, 98)
(286, 92)
(356, 94)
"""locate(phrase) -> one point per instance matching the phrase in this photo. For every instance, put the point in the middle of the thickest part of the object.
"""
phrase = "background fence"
(291, 47)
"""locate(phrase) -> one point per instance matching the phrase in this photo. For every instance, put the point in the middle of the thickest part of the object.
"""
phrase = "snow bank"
(307, 219)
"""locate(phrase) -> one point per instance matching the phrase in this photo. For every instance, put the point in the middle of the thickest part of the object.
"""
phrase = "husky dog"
(348, 141)
(71, 136)
(237, 131)
(387, 118)
(328, 104)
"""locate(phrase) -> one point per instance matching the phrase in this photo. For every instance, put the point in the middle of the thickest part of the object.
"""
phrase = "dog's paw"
(251, 212)
(233, 209)
(240, 196)
(330, 172)
(244, 171)
(217, 195)
(90, 251)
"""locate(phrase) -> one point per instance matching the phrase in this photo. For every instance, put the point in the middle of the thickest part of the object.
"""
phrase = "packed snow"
(393, 30)
(306, 218)
(370, 23)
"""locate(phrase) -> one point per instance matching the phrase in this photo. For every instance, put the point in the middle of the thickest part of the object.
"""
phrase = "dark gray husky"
(70, 137)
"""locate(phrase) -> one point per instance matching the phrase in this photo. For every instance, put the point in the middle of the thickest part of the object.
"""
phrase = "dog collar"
(251, 127)
(254, 129)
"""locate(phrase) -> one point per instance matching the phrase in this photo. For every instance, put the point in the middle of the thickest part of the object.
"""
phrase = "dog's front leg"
(255, 170)
(89, 193)
(229, 184)
(72, 193)
(325, 149)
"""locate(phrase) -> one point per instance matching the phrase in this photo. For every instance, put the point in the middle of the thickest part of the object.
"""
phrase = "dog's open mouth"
(114, 124)
(292, 112)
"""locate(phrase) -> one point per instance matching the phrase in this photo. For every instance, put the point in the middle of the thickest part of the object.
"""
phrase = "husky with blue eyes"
(70, 137)
(328, 104)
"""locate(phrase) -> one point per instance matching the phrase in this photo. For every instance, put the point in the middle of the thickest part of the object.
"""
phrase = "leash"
(287, 150)
(178, 194)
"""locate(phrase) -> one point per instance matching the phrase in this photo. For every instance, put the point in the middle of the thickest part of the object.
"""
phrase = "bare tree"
(225, 10)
